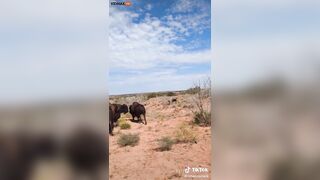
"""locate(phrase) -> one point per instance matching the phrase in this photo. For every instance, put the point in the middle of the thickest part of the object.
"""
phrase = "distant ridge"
(146, 93)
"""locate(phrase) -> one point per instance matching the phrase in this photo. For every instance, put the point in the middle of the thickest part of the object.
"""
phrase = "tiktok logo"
(187, 170)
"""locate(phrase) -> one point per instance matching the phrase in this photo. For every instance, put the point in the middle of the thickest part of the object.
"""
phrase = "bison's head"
(123, 108)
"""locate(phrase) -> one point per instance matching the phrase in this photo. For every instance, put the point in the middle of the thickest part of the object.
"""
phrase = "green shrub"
(165, 143)
(184, 134)
(202, 118)
(128, 139)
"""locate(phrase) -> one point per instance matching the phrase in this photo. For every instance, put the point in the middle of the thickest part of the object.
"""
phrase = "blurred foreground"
(53, 75)
(268, 132)
(267, 90)
(54, 141)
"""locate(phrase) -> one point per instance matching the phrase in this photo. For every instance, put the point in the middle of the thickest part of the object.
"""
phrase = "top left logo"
(127, 3)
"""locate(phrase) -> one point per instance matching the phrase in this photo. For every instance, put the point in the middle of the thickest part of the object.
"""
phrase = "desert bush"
(151, 95)
(165, 143)
(193, 90)
(170, 94)
(128, 139)
(125, 125)
(184, 134)
(202, 118)
(120, 120)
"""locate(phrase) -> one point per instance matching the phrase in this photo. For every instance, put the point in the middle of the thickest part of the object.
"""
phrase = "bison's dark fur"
(19, 152)
(111, 115)
(115, 111)
(136, 110)
(16, 158)
(86, 151)
(174, 100)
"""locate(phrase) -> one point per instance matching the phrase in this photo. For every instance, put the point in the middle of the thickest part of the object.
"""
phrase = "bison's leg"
(116, 117)
(145, 119)
(132, 116)
(110, 127)
(140, 118)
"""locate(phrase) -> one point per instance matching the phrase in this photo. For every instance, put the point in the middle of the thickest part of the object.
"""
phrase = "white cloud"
(183, 6)
(187, 6)
(190, 16)
(189, 23)
(148, 50)
(149, 43)
(148, 7)
(161, 80)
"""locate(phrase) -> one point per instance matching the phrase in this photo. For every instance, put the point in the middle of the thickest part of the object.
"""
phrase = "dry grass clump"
(184, 134)
(165, 143)
(123, 124)
(128, 140)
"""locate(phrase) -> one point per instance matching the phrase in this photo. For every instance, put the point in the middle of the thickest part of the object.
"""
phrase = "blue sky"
(159, 45)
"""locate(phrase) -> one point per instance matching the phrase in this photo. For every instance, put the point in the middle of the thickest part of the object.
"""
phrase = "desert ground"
(164, 118)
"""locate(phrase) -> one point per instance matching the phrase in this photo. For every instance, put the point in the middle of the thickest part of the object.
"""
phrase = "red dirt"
(143, 161)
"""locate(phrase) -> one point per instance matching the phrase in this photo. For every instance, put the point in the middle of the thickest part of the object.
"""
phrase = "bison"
(16, 157)
(86, 150)
(115, 111)
(173, 100)
(136, 110)
(20, 151)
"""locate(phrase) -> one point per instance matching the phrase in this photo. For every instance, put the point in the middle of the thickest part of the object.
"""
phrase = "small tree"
(202, 91)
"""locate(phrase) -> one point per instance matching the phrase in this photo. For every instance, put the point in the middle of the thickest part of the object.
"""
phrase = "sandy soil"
(144, 161)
